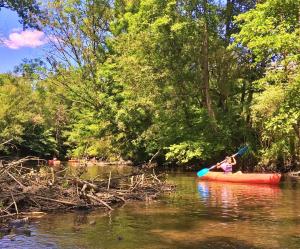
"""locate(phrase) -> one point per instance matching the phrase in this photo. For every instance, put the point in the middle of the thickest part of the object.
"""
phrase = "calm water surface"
(198, 215)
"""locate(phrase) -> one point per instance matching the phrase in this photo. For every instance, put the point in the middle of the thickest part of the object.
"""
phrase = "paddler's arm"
(234, 161)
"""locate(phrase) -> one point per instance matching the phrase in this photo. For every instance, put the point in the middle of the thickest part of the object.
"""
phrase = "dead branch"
(99, 200)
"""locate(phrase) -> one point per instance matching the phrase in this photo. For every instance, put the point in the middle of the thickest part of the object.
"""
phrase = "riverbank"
(27, 191)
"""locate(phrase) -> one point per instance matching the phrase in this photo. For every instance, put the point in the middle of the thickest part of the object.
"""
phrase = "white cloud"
(27, 38)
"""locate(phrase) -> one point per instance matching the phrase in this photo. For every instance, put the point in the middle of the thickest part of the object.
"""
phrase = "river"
(197, 215)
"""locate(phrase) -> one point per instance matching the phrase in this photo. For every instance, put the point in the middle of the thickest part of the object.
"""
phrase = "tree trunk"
(249, 101)
(293, 153)
(205, 65)
(228, 21)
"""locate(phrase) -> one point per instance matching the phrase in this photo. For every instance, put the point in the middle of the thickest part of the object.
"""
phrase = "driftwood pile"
(25, 191)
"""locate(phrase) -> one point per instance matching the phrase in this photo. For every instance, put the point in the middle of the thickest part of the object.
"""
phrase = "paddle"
(203, 172)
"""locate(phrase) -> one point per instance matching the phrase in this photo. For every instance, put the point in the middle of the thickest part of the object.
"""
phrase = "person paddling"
(241, 151)
(227, 165)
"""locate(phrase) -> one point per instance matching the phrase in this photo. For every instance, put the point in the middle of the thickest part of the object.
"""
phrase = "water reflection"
(231, 201)
(232, 194)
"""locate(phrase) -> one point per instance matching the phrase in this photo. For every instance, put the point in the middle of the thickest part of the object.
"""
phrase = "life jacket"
(227, 167)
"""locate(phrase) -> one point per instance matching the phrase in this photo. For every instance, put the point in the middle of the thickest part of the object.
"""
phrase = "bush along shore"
(28, 193)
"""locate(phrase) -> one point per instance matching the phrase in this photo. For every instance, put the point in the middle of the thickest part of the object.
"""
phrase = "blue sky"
(11, 54)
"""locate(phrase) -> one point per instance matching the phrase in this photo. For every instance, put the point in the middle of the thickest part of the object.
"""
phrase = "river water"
(198, 215)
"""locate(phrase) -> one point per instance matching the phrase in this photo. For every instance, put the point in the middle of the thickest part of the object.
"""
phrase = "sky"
(17, 44)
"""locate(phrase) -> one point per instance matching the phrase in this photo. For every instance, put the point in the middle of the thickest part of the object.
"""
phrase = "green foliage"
(283, 127)
(178, 80)
(190, 150)
(15, 107)
(271, 33)
(265, 104)
(86, 136)
(21, 121)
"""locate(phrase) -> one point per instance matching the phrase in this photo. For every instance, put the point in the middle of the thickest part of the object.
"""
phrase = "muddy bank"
(28, 193)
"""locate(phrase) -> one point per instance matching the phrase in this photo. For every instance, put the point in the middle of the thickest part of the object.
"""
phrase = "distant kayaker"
(227, 165)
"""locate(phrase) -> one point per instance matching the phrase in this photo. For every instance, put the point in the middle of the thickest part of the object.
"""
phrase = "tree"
(173, 54)
(28, 10)
(78, 31)
(22, 122)
(271, 33)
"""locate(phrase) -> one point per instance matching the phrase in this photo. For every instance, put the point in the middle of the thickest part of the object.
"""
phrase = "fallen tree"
(26, 192)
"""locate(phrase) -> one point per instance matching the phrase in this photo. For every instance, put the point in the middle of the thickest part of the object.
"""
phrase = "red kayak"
(273, 178)
(54, 162)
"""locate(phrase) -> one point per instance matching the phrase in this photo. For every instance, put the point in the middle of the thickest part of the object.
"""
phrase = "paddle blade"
(202, 172)
(242, 151)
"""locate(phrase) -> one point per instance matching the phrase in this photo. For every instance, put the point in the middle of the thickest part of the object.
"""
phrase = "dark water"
(197, 215)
